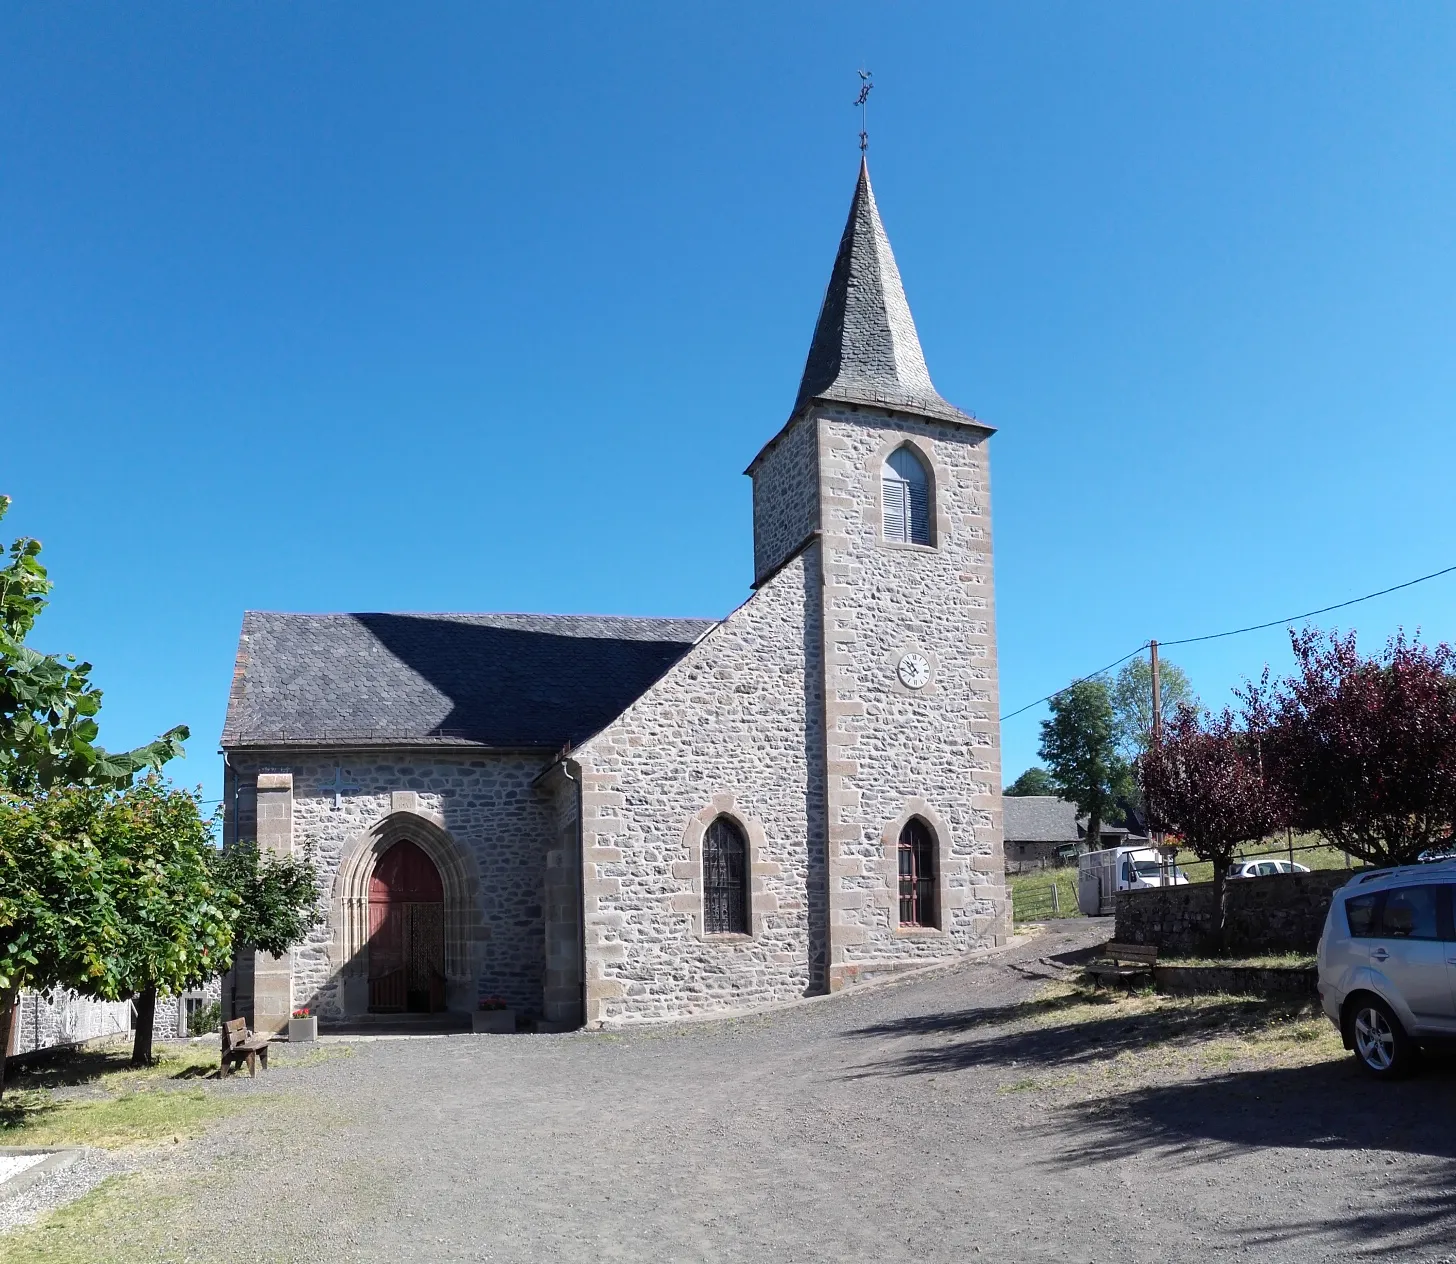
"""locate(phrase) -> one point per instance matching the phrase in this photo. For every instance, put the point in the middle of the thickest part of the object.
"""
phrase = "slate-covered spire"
(865, 347)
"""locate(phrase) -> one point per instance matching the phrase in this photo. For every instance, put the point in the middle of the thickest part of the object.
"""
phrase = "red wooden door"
(406, 933)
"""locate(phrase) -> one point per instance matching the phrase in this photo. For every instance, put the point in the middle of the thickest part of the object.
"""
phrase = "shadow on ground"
(1051, 1044)
(1325, 1107)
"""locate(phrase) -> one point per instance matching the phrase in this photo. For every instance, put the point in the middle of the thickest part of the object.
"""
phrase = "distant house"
(1041, 830)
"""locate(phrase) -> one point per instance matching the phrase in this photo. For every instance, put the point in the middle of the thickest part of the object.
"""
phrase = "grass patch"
(125, 1218)
(1031, 895)
(1118, 1041)
(1264, 961)
(96, 1098)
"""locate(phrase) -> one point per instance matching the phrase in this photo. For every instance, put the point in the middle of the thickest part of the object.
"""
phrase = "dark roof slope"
(1038, 818)
(492, 679)
(866, 349)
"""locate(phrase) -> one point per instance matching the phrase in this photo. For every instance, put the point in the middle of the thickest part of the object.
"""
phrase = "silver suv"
(1387, 964)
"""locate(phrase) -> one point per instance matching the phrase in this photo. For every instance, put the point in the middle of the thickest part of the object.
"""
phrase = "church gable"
(730, 730)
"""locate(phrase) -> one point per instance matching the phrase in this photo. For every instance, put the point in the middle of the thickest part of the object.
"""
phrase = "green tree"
(276, 897)
(56, 924)
(1035, 780)
(1132, 702)
(48, 704)
(1079, 747)
(174, 918)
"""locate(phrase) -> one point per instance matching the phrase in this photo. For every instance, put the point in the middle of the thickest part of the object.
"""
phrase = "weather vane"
(866, 84)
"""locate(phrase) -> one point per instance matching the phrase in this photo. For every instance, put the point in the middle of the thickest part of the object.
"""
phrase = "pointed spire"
(865, 348)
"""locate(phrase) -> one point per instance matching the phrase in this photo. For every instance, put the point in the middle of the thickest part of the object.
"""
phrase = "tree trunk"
(1219, 914)
(146, 1013)
(8, 1010)
(1094, 830)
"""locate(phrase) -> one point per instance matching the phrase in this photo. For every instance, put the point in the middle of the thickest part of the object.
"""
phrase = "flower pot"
(499, 1021)
(302, 1030)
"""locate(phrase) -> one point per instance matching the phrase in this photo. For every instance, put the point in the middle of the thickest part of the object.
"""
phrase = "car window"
(1360, 913)
(1410, 913)
(1266, 867)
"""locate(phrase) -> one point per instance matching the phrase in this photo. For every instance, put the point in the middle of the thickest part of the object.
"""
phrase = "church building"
(605, 821)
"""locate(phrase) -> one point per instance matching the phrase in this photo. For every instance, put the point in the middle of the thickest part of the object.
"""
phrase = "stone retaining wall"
(1280, 913)
(1235, 980)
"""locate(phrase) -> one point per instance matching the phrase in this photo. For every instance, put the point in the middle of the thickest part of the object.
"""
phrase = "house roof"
(865, 348)
(503, 680)
(1038, 818)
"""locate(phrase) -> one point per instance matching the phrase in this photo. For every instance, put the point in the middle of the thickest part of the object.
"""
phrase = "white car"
(1387, 964)
(1263, 867)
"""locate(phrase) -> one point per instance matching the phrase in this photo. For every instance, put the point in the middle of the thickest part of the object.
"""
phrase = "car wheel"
(1381, 1045)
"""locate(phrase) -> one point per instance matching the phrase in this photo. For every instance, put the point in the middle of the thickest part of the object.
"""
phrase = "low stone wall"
(1235, 980)
(1281, 913)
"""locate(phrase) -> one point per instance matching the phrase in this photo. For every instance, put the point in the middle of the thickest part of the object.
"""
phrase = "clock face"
(914, 671)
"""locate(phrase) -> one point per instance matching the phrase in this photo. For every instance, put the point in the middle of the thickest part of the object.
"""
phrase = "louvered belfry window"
(906, 495)
(917, 874)
(725, 879)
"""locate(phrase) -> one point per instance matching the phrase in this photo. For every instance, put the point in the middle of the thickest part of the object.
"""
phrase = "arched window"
(725, 879)
(917, 874)
(906, 495)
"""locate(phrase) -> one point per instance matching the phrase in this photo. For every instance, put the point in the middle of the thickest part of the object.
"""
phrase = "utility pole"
(1157, 694)
(1167, 861)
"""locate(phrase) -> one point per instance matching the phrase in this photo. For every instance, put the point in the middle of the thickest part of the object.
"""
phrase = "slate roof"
(865, 348)
(503, 680)
(1038, 818)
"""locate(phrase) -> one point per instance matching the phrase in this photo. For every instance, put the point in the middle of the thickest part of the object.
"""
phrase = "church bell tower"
(886, 487)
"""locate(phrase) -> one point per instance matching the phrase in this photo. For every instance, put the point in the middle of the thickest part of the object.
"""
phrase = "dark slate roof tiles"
(865, 348)
(503, 680)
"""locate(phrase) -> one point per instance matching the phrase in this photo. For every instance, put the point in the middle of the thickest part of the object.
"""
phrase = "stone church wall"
(785, 495)
(489, 806)
(894, 751)
(723, 731)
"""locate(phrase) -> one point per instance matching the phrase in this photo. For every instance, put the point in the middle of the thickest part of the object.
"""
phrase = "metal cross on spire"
(866, 85)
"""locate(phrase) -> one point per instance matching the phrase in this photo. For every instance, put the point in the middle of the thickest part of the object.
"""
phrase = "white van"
(1102, 874)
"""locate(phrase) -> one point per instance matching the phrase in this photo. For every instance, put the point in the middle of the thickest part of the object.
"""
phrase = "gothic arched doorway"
(406, 933)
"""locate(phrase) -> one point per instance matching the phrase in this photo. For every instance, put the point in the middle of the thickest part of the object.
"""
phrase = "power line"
(1309, 614)
(1215, 636)
(1078, 681)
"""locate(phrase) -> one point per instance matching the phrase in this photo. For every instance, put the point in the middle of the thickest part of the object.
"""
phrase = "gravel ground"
(57, 1188)
(881, 1125)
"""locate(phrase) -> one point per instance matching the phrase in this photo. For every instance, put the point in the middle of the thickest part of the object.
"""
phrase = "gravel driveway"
(876, 1126)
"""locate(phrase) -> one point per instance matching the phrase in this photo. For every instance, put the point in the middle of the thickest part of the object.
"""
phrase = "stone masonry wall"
(723, 731)
(894, 751)
(490, 808)
(1283, 912)
(785, 495)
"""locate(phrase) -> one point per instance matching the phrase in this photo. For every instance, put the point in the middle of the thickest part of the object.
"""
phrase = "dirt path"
(886, 1125)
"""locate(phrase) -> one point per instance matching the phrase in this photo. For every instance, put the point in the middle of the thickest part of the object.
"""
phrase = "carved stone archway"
(458, 877)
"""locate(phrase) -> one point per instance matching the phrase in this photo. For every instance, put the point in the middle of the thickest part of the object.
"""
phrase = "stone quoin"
(562, 775)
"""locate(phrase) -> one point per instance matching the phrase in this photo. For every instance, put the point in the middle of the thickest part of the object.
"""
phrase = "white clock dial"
(914, 671)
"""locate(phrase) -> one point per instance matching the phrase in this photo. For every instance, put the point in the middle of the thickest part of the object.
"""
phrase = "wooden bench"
(239, 1045)
(1126, 962)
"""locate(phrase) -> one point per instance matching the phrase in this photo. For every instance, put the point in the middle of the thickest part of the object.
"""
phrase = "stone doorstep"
(58, 1157)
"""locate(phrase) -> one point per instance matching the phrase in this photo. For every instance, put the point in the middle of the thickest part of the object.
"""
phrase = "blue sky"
(486, 307)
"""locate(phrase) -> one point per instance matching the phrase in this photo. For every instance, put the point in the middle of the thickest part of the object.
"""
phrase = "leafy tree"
(1205, 782)
(48, 704)
(1035, 780)
(174, 918)
(56, 925)
(1132, 702)
(277, 897)
(1364, 749)
(1079, 745)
